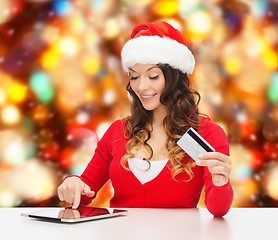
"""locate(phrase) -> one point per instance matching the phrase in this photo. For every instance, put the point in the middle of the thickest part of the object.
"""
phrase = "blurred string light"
(198, 26)
(17, 92)
(233, 20)
(111, 28)
(270, 150)
(257, 159)
(252, 82)
(91, 65)
(82, 138)
(45, 136)
(15, 153)
(97, 12)
(91, 40)
(3, 97)
(144, 3)
(97, 5)
(242, 159)
(186, 7)
(134, 8)
(69, 46)
(243, 172)
(81, 157)
(10, 115)
(245, 186)
(50, 58)
(273, 89)
(49, 151)
(254, 44)
(77, 23)
(33, 180)
(40, 84)
(66, 158)
(270, 34)
(70, 82)
(38, 1)
(109, 96)
(62, 8)
(8, 9)
(7, 197)
(246, 191)
(50, 34)
(40, 114)
(259, 8)
(274, 113)
(82, 117)
(166, 8)
(270, 181)
(270, 57)
(15, 147)
(270, 130)
(233, 65)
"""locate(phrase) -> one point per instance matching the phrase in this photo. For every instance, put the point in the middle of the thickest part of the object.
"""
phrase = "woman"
(139, 154)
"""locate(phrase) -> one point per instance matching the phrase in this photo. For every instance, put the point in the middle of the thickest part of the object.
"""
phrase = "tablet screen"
(75, 215)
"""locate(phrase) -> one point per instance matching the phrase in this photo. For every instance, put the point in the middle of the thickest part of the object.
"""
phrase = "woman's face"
(147, 81)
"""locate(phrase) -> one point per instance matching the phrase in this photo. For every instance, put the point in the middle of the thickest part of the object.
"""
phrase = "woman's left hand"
(219, 165)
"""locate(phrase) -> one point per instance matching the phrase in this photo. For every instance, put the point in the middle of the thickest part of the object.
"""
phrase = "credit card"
(194, 144)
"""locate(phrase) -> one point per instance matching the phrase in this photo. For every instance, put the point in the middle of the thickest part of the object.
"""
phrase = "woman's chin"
(147, 107)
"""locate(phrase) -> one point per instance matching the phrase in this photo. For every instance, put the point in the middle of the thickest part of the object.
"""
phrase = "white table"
(170, 224)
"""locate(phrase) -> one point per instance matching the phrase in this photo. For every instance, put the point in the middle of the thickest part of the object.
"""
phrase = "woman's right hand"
(71, 190)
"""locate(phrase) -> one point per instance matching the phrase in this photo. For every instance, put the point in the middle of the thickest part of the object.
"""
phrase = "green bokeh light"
(40, 84)
(273, 89)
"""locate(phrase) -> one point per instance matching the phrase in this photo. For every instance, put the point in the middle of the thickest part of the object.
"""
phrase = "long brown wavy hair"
(181, 102)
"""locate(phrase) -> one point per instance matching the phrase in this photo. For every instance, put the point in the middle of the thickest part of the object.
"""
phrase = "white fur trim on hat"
(155, 50)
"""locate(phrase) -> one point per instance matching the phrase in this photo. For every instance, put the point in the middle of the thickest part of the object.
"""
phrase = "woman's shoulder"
(119, 123)
(214, 134)
(117, 127)
(115, 131)
(208, 127)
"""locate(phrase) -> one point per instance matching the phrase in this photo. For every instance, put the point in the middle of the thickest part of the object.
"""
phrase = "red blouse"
(162, 191)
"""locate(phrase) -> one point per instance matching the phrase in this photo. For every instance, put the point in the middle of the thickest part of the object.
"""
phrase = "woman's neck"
(158, 116)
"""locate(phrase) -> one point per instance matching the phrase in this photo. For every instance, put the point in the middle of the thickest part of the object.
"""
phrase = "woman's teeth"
(147, 96)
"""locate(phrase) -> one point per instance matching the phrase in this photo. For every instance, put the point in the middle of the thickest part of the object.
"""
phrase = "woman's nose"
(143, 85)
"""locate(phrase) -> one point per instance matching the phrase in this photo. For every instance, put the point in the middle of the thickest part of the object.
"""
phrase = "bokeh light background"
(62, 85)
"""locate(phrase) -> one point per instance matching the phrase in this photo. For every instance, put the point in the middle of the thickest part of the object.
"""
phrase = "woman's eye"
(133, 78)
(155, 77)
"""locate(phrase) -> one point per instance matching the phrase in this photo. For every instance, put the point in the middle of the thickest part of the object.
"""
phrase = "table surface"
(148, 223)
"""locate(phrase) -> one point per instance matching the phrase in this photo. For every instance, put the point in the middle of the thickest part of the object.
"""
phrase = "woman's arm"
(217, 168)
(96, 173)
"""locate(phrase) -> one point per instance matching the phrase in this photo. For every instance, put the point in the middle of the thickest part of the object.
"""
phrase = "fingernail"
(201, 156)
(198, 162)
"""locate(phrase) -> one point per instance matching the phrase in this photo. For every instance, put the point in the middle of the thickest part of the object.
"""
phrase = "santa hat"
(157, 42)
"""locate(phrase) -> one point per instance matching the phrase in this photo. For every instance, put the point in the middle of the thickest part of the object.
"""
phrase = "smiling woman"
(147, 81)
(139, 153)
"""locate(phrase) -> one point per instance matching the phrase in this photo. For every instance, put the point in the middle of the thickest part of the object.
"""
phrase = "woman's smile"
(147, 97)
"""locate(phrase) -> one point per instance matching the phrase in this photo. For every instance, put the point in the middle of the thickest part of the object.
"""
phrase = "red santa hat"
(157, 42)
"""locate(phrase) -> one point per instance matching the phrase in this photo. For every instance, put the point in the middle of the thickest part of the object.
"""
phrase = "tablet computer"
(69, 215)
